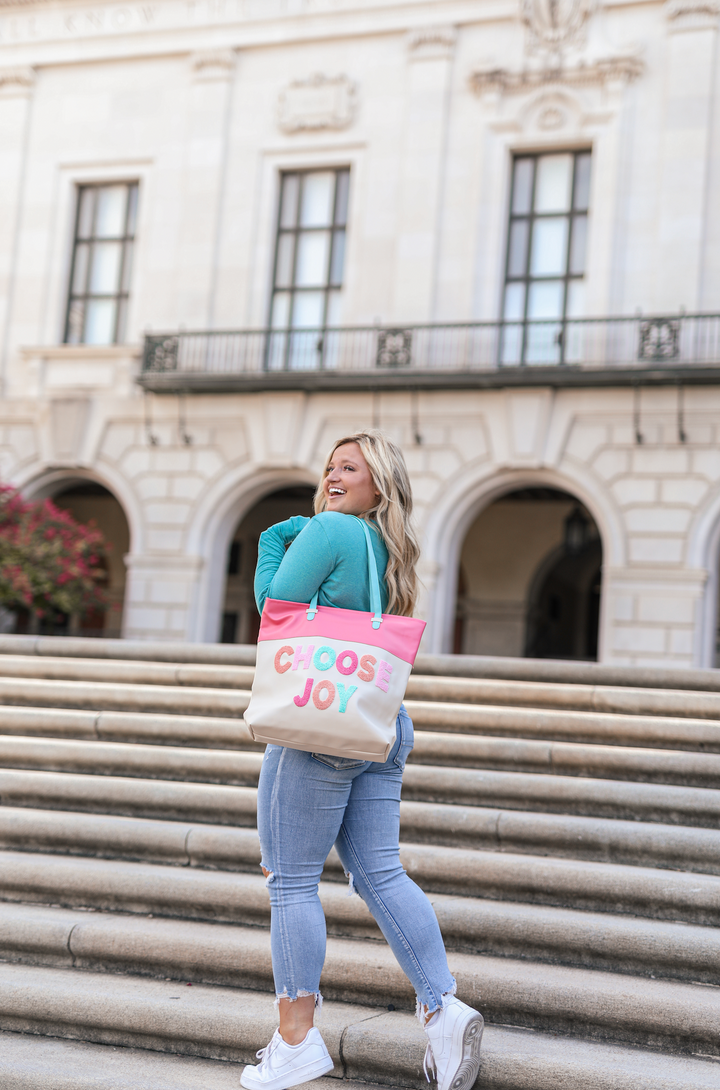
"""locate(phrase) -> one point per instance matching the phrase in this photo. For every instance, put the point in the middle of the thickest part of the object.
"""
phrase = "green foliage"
(48, 561)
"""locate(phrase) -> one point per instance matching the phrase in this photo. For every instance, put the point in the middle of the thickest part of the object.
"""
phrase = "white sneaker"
(282, 1065)
(453, 1052)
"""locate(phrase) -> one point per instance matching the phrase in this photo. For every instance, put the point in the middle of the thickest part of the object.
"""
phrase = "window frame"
(336, 228)
(121, 297)
(572, 215)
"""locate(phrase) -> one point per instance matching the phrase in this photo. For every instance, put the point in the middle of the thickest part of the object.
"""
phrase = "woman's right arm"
(292, 574)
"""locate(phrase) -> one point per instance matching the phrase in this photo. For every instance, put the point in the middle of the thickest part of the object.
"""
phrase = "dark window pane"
(289, 200)
(132, 210)
(522, 185)
(582, 182)
(79, 280)
(284, 265)
(578, 244)
(121, 329)
(127, 267)
(229, 627)
(338, 258)
(281, 310)
(233, 567)
(76, 315)
(85, 213)
(341, 197)
(333, 315)
(517, 248)
(514, 302)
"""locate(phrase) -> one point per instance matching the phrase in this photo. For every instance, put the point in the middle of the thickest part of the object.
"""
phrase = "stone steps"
(177, 726)
(463, 666)
(623, 944)
(116, 1014)
(674, 767)
(212, 690)
(174, 797)
(490, 869)
(580, 1002)
(566, 835)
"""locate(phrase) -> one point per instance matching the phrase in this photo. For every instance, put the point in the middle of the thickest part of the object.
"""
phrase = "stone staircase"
(563, 819)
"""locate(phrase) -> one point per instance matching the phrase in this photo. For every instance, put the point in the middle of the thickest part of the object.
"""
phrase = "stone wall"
(656, 504)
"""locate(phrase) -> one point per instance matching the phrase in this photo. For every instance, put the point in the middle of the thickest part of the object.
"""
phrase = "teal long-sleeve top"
(326, 553)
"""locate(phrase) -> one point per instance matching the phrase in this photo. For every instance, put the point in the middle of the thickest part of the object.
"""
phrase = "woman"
(309, 801)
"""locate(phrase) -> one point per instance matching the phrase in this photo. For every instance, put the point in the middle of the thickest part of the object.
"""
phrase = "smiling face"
(348, 484)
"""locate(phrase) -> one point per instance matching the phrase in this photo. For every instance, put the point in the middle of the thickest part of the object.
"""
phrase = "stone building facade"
(489, 227)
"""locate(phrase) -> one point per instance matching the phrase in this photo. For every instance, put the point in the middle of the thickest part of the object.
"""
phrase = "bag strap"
(373, 580)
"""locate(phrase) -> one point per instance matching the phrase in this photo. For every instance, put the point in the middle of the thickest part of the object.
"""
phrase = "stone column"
(689, 84)
(159, 596)
(203, 173)
(426, 120)
(16, 88)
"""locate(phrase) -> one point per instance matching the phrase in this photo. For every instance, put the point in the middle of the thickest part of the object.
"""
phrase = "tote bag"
(332, 680)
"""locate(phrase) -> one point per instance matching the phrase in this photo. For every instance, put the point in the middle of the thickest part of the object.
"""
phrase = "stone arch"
(212, 531)
(703, 555)
(46, 483)
(460, 504)
(87, 495)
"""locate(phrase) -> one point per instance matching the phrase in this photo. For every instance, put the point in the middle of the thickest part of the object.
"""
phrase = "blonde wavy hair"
(392, 513)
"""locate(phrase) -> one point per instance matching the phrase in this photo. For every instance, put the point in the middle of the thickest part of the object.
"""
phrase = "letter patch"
(383, 675)
(323, 702)
(282, 667)
(345, 694)
(367, 673)
(301, 701)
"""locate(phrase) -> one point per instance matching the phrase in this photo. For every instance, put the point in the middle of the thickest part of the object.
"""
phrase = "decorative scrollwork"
(394, 348)
(659, 339)
(161, 354)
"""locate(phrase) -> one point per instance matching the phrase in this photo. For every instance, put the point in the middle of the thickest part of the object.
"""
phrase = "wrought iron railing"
(636, 341)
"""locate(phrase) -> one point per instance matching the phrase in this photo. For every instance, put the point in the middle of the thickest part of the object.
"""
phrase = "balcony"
(639, 350)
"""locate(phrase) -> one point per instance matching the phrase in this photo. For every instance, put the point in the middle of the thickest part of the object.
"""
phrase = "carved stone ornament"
(321, 102)
(216, 64)
(16, 82)
(429, 43)
(599, 73)
(692, 14)
(553, 24)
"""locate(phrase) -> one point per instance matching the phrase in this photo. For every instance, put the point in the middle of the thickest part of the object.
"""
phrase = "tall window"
(545, 269)
(309, 260)
(102, 264)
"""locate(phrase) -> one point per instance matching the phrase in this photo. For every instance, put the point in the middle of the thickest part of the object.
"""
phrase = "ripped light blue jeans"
(306, 803)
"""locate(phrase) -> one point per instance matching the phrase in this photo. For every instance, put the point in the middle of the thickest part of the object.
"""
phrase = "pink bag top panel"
(400, 636)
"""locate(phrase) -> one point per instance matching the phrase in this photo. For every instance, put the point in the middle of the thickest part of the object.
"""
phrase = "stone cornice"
(601, 72)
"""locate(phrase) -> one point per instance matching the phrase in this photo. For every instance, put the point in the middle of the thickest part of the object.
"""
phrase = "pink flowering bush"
(49, 563)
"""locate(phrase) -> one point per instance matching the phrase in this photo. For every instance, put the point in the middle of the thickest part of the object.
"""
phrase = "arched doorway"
(530, 577)
(88, 501)
(240, 618)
